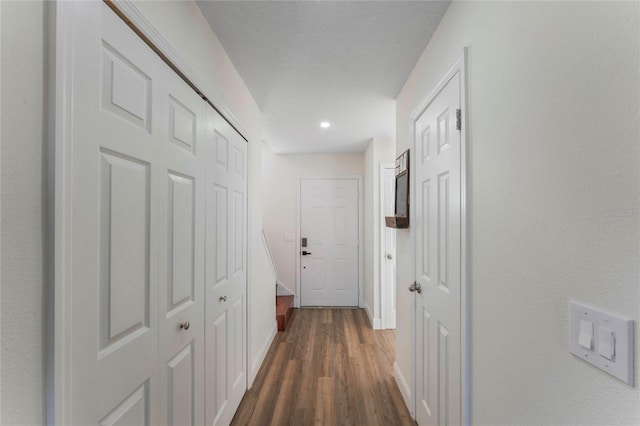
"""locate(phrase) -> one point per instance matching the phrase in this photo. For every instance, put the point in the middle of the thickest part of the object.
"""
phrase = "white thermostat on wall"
(602, 339)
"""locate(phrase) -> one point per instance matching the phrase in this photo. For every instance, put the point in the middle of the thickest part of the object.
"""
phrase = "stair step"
(284, 309)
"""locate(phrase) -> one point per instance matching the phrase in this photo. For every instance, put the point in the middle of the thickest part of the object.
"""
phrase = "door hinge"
(458, 119)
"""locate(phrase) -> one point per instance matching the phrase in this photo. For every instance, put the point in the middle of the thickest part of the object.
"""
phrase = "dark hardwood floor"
(328, 368)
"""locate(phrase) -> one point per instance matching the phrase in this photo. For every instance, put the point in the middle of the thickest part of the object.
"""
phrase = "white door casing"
(226, 271)
(329, 220)
(438, 229)
(387, 246)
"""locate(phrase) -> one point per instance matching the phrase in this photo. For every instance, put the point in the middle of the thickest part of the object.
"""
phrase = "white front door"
(388, 254)
(226, 270)
(437, 230)
(329, 222)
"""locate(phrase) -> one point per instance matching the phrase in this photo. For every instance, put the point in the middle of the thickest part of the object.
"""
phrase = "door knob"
(185, 325)
(306, 253)
(389, 256)
(223, 298)
(415, 287)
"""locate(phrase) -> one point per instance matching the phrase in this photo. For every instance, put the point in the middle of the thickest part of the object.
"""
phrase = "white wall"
(554, 92)
(281, 174)
(23, 212)
(379, 150)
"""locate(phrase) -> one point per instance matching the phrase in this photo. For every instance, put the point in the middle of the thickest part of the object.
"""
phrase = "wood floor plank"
(325, 413)
(270, 388)
(328, 368)
(286, 400)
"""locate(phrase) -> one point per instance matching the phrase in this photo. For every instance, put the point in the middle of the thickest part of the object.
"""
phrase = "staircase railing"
(265, 242)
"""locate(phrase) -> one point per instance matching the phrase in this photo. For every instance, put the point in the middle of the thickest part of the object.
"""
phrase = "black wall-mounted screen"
(402, 192)
(400, 219)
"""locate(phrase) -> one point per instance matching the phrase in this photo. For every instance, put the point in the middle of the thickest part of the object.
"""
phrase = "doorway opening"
(387, 247)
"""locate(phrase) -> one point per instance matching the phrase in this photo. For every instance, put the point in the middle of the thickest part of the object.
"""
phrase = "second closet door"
(226, 270)
(181, 279)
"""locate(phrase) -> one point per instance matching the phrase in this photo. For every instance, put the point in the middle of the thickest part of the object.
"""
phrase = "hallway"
(328, 368)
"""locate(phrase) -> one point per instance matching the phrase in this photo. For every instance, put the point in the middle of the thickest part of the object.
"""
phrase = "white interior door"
(329, 222)
(116, 173)
(388, 254)
(437, 230)
(226, 271)
(182, 127)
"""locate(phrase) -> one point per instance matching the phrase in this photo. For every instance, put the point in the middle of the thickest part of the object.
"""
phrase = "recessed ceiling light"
(325, 124)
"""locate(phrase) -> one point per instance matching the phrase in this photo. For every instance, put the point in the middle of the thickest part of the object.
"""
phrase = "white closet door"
(115, 176)
(148, 158)
(181, 129)
(226, 270)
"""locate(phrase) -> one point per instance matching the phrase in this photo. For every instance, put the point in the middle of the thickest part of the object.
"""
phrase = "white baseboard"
(376, 323)
(261, 355)
(405, 391)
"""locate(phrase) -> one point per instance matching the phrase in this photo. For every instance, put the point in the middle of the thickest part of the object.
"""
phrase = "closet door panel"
(181, 285)
(217, 389)
(226, 276)
(114, 239)
(181, 406)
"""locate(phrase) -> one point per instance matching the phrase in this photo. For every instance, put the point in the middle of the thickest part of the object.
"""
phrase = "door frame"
(58, 354)
(58, 365)
(458, 66)
(384, 300)
(358, 178)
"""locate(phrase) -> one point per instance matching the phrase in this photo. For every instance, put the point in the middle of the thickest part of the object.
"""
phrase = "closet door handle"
(223, 298)
(185, 325)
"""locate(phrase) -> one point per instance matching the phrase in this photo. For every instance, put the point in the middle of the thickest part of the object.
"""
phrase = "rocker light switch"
(585, 339)
(606, 342)
(602, 339)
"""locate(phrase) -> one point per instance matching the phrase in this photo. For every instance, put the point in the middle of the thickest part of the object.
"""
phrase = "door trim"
(458, 66)
(58, 355)
(296, 299)
(384, 301)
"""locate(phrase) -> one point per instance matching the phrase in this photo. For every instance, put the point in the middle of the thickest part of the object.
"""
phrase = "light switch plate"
(621, 366)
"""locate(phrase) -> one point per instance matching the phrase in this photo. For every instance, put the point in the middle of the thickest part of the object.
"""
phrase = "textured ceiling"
(340, 61)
